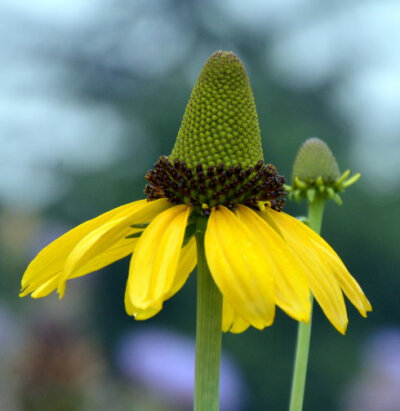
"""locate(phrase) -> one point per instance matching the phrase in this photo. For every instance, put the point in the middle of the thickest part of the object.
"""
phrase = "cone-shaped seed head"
(314, 160)
(220, 123)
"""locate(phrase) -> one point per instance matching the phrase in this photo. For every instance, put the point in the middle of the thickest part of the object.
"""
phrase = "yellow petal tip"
(342, 328)
(61, 291)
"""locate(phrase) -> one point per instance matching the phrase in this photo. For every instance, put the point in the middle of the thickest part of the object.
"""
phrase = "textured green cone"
(316, 174)
(220, 123)
(315, 160)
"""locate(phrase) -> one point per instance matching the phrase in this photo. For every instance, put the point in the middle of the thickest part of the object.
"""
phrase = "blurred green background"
(92, 93)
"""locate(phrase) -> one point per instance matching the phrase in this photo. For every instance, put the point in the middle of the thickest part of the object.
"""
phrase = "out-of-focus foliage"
(94, 94)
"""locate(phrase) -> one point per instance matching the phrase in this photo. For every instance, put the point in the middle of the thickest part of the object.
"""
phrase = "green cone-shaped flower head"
(217, 159)
(315, 159)
(316, 174)
(220, 124)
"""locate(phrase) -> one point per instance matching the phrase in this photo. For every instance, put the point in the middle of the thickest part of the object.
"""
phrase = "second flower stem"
(315, 214)
(208, 332)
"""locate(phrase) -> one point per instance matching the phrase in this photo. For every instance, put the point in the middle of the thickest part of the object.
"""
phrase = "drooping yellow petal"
(319, 259)
(96, 250)
(50, 261)
(121, 249)
(240, 268)
(187, 263)
(46, 288)
(231, 321)
(141, 313)
(155, 263)
(348, 284)
(350, 287)
(291, 286)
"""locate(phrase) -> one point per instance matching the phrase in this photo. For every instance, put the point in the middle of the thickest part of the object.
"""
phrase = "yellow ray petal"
(239, 267)
(187, 263)
(117, 251)
(154, 265)
(139, 313)
(350, 287)
(322, 281)
(291, 286)
(46, 288)
(121, 249)
(91, 252)
(231, 321)
(50, 261)
(348, 284)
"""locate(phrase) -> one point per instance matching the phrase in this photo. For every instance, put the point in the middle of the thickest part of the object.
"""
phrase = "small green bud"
(220, 124)
(316, 174)
(315, 162)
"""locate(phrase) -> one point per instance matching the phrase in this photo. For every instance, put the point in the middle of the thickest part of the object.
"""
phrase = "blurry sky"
(45, 125)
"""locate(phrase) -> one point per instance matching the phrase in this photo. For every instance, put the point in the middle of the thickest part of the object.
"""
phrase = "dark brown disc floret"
(207, 187)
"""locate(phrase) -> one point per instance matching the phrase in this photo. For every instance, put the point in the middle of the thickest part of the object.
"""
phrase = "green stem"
(315, 214)
(208, 332)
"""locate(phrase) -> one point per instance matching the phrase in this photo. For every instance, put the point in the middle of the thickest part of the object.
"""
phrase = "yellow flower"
(259, 257)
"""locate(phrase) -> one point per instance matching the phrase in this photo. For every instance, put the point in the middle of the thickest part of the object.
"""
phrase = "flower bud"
(316, 174)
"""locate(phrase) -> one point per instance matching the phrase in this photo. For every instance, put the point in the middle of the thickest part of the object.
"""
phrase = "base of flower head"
(321, 187)
(206, 187)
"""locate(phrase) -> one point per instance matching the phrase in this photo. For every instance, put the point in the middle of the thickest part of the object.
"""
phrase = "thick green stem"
(315, 214)
(208, 333)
